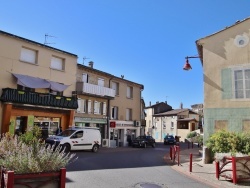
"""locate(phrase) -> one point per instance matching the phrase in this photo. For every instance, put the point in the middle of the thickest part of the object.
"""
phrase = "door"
(77, 141)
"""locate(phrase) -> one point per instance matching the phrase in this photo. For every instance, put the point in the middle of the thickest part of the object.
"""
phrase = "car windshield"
(169, 137)
(66, 133)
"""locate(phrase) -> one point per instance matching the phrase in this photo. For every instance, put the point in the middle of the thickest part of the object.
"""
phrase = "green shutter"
(226, 83)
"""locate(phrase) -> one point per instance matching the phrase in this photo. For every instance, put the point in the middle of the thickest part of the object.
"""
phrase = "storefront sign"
(112, 124)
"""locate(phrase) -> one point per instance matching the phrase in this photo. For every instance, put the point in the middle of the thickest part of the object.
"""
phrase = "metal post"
(10, 179)
(217, 168)
(191, 162)
(178, 150)
(234, 170)
(170, 152)
(62, 177)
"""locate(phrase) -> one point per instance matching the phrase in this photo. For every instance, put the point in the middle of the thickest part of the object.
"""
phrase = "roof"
(172, 112)
(187, 119)
(175, 112)
(199, 46)
(35, 43)
(107, 74)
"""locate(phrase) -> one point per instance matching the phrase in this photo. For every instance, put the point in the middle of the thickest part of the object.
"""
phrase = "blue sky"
(144, 40)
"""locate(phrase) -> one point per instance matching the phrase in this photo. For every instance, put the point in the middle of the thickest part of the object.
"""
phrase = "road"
(126, 167)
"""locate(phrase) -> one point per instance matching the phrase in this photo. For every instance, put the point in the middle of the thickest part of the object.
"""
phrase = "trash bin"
(120, 144)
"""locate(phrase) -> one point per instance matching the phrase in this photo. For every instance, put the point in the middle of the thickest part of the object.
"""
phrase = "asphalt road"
(126, 167)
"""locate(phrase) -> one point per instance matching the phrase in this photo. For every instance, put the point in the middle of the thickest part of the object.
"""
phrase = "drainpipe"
(108, 115)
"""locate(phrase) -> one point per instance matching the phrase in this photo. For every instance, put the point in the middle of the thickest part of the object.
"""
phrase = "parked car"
(87, 138)
(143, 141)
(169, 139)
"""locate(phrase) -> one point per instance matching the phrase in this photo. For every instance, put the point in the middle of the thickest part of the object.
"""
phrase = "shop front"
(18, 118)
(122, 133)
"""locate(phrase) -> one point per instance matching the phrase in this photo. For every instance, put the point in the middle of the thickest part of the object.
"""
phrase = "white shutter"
(28, 55)
(128, 92)
(96, 108)
(78, 110)
(101, 82)
(104, 108)
(89, 106)
(57, 63)
(85, 78)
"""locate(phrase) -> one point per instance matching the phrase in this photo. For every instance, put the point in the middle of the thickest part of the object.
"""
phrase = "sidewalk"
(201, 172)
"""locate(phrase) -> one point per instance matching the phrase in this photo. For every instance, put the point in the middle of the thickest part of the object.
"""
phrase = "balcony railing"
(87, 88)
(40, 99)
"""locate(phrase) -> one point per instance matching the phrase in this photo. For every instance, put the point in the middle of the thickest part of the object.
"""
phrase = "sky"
(144, 40)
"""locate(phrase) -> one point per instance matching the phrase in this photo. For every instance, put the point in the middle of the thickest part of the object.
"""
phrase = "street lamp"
(187, 65)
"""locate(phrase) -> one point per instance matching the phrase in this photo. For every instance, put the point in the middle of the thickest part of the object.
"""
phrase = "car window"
(66, 133)
(78, 134)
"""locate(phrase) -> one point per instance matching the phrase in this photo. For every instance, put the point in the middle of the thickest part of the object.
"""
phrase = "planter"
(34, 180)
(233, 168)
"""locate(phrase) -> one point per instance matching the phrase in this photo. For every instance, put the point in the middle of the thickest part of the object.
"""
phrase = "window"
(101, 82)
(85, 77)
(82, 106)
(172, 125)
(242, 83)
(128, 114)
(129, 92)
(57, 63)
(58, 93)
(115, 86)
(235, 83)
(97, 107)
(28, 55)
(114, 112)
(19, 87)
(89, 107)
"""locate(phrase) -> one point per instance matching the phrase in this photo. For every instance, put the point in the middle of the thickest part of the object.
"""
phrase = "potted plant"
(26, 160)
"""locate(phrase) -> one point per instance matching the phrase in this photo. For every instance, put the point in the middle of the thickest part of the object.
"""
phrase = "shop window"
(114, 112)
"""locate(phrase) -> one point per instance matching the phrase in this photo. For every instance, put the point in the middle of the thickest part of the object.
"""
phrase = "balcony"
(40, 99)
(95, 90)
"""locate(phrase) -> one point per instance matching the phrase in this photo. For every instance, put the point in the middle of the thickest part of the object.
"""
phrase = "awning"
(34, 82)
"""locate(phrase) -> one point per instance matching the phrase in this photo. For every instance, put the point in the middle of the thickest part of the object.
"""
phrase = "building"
(153, 127)
(36, 85)
(225, 58)
(177, 122)
(111, 103)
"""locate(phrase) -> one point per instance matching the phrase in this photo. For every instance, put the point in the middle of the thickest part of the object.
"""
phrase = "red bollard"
(170, 152)
(191, 162)
(217, 167)
(178, 149)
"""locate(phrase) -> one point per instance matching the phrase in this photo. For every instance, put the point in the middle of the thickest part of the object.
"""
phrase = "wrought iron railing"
(41, 99)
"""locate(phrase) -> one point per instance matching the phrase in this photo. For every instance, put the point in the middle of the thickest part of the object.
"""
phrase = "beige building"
(225, 57)
(111, 103)
(36, 83)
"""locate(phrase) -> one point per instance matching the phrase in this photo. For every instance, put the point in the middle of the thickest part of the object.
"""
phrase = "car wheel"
(153, 145)
(66, 148)
(95, 148)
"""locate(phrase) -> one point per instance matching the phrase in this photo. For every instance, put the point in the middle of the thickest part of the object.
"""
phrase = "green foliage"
(229, 142)
(200, 140)
(26, 154)
(192, 134)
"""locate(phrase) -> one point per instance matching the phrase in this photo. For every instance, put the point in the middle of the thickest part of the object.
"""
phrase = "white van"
(87, 138)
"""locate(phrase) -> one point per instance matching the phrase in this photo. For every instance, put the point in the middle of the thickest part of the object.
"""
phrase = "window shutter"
(28, 55)
(89, 106)
(57, 63)
(226, 83)
(79, 106)
(104, 108)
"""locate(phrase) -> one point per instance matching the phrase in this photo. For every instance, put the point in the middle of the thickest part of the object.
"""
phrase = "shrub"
(229, 142)
(27, 154)
(192, 134)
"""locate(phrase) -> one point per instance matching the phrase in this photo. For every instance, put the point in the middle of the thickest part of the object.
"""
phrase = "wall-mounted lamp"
(187, 66)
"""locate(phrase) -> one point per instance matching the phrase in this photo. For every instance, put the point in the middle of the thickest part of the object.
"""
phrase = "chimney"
(149, 103)
(91, 64)
(181, 106)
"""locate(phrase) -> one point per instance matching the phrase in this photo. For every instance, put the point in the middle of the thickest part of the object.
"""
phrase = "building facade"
(154, 126)
(226, 66)
(36, 85)
(111, 103)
